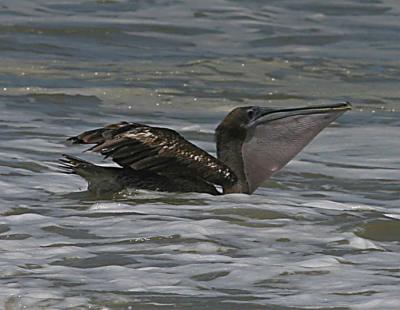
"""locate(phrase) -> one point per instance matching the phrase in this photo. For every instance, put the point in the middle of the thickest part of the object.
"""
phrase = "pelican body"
(252, 144)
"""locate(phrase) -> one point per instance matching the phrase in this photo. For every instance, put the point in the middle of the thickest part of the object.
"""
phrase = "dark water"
(323, 234)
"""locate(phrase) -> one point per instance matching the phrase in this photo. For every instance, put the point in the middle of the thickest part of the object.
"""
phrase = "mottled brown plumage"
(160, 150)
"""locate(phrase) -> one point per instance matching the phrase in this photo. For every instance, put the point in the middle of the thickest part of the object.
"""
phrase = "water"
(322, 234)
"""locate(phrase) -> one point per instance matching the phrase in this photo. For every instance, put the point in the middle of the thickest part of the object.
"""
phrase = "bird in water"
(252, 144)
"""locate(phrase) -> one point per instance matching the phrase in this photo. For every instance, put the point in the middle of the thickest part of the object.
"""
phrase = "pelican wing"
(160, 150)
(270, 145)
(99, 135)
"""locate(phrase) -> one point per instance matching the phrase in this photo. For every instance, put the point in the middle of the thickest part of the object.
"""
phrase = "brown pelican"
(252, 144)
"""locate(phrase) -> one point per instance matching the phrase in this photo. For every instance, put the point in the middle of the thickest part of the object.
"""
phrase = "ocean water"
(324, 233)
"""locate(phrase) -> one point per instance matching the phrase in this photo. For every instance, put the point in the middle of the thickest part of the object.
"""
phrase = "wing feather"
(160, 150)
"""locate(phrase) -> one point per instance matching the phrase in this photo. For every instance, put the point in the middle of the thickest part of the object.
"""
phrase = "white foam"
(393, 216)
(320, 262)
(332, 205)
(363, 244)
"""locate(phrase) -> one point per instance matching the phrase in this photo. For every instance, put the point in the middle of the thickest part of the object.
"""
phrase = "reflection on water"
(322, 233)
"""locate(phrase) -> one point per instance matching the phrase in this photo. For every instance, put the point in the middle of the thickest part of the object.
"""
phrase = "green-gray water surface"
(324, 233)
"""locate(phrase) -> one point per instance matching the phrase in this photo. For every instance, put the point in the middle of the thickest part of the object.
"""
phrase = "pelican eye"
(251, 113)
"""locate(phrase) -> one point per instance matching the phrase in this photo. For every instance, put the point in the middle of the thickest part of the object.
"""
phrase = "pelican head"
(255, 142)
